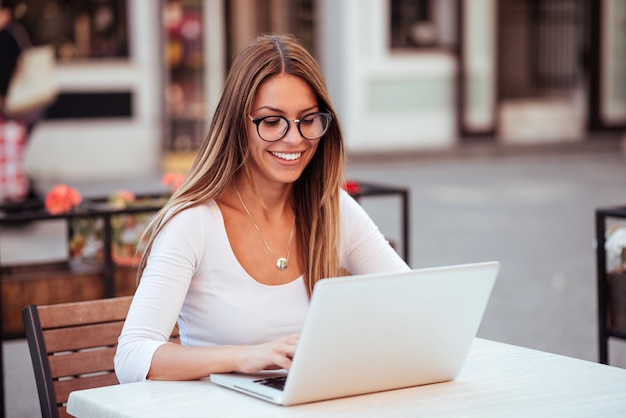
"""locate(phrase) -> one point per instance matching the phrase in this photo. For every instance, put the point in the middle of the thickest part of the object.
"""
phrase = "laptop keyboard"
(273, 382)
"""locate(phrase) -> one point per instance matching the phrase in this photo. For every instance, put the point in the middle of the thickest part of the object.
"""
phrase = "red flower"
(62, 198)
(173, 180)
(351, 187)
(121, 198)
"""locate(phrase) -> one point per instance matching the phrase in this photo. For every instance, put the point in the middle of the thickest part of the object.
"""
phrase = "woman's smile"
(291, 156)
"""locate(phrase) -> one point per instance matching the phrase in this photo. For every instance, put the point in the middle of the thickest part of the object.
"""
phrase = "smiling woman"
(272, 162)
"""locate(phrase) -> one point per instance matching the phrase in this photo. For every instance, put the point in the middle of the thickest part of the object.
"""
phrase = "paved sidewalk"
(534, 212)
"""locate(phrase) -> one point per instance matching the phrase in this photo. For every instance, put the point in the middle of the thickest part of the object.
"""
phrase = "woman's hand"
(177, 362)
(272, 355)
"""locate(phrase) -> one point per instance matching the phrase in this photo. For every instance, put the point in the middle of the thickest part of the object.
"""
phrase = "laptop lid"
(376, 332)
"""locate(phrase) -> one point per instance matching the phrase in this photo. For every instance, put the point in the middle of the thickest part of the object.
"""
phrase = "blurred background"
(138, 80)
(504, 119)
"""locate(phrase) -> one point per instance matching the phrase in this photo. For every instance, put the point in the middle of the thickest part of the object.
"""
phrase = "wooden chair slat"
(63, 388)
(63, 413)
(82, 362)
(88, 312)
(84, 336)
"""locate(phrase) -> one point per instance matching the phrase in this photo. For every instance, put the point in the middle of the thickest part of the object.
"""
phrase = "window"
(78, 29)
(423, 24)
(185, 93)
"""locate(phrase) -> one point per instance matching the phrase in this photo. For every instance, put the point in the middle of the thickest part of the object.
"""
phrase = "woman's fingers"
(273, 355)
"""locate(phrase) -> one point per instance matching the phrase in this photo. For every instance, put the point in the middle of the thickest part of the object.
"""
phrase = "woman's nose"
(293, 133)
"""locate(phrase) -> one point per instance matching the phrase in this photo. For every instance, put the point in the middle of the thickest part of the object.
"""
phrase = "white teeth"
(288, 157)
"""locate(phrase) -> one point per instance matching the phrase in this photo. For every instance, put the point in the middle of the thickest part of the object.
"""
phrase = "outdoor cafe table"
(497, 380)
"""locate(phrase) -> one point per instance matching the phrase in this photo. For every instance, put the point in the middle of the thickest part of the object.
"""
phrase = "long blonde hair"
(224, 153)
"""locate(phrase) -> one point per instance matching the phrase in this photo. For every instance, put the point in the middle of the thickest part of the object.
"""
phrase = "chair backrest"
(72, 346)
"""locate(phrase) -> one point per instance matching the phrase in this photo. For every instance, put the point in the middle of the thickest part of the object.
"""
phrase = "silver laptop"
(377, 332)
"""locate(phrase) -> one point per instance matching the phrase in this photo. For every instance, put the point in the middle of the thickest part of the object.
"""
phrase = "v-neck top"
(193, 277)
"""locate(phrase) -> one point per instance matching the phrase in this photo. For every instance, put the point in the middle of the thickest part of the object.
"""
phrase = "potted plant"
(126, 228)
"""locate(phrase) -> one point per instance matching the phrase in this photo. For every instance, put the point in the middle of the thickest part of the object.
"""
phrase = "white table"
(497, 380)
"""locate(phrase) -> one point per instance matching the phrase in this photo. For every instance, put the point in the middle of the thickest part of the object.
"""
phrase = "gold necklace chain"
(283, 262)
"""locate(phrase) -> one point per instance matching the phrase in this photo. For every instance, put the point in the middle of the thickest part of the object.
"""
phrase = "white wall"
(96, 149)
(386, 101)
(479, 39)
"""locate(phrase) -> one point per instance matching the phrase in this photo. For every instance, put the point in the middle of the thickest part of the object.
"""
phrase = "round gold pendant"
(281, 263)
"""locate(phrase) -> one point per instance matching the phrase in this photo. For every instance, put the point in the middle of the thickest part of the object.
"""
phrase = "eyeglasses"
(311, 126)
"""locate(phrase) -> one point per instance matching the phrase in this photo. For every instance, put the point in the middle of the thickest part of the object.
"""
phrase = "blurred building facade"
(139, 79)
(410, 74)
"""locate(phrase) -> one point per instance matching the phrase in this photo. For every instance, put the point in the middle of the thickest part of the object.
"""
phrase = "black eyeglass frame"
(257, 122)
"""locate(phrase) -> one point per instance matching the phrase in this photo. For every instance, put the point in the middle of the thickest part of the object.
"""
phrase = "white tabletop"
(497, 380)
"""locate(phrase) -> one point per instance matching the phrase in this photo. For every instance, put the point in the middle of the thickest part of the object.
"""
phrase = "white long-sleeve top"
(193, 277)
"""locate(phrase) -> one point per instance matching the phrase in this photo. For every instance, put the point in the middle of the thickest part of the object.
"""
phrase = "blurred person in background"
(13, 40)
(9, 46)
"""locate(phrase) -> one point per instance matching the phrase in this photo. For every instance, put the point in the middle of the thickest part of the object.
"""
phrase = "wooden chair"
(72, 346)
